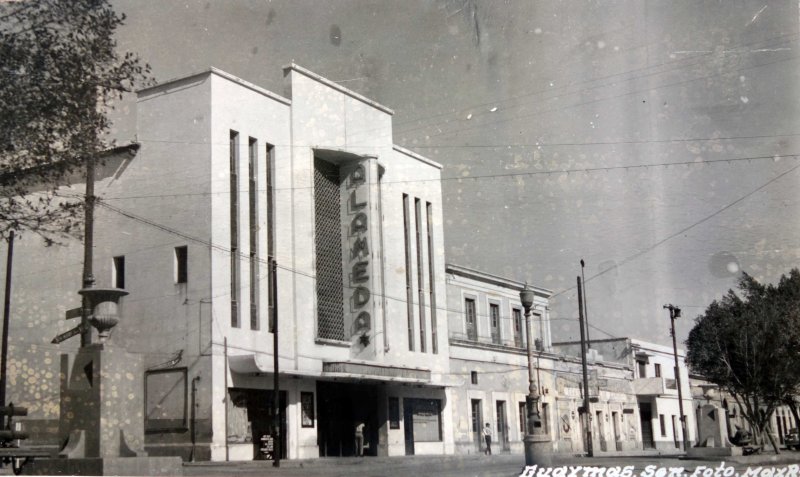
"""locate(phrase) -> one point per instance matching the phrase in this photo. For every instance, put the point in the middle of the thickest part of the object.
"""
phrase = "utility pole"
(585, 308)
(675, 312)
(88, 245)
(276, 401)
(6, 319)
(587, 413)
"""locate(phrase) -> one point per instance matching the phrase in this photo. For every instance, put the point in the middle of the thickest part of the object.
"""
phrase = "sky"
(656, 140)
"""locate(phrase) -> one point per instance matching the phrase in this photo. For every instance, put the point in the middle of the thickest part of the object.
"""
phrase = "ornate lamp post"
(537, 442)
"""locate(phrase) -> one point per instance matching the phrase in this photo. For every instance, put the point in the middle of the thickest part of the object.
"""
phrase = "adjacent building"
(653, 387)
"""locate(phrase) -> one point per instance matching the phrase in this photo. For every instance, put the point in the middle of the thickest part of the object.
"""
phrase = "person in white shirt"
(487, 436)
(360, 439)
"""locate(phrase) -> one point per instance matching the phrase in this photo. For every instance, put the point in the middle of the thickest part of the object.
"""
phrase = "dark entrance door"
(477, 423)
(342, 407)
(408, 427)
(262, 425)
(646, 417)
(251, 419)
(502, 428)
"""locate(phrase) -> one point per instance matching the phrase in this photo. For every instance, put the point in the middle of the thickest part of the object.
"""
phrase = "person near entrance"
(360, 438)
(487, 436)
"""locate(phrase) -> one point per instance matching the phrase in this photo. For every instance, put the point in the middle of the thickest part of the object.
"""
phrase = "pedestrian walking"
(487, 436)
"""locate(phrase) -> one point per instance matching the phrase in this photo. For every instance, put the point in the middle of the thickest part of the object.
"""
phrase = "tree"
(749, 345)
(59, 73)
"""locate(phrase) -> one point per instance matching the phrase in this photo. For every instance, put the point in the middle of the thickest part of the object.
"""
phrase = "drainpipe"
(194, 417)
(225, 372)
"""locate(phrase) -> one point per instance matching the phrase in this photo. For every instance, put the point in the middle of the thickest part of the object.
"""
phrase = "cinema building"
(225, 177)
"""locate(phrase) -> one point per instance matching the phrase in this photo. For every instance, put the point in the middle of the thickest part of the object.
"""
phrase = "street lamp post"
(537, 441)
(675, 312)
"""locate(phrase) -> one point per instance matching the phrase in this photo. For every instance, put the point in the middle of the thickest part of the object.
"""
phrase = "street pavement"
(502, 465)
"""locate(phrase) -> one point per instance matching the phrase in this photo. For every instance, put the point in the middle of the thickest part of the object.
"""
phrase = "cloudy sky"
(656, 140)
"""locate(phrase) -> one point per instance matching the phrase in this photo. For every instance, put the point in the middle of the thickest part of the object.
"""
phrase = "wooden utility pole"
(6, 319)
(276, 400)
(588, 419)
(88, 245)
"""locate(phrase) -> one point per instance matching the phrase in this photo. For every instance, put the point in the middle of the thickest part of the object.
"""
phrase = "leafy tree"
(749, 345)
(59, 74)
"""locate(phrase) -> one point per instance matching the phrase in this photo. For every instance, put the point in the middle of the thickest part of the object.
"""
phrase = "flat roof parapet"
(336, 86)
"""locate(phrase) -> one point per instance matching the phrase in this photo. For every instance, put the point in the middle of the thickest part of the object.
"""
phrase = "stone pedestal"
(712, 437)
(538, 450)
(102, 422)
(102, 403)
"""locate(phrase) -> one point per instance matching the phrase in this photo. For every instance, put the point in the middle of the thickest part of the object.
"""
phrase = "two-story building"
(488, 350)
(653, 387)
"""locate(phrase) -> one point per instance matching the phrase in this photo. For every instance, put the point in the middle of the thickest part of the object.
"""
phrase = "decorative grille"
(328, 228)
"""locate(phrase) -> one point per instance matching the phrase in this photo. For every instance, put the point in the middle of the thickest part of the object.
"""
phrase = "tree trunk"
(771, 438)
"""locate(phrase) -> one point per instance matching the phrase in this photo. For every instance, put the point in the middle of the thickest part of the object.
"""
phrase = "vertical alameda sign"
(358, 257)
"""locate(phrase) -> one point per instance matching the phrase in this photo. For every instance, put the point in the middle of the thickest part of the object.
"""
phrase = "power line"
(587, 170)
(508, 145)
(638, 254)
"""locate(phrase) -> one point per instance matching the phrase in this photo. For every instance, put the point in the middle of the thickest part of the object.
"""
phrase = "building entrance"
(646, 417)
(343, 409)
(251, 419)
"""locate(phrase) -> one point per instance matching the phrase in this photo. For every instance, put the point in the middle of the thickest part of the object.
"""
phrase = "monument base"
(712, 452)
(538, 450)
(107, 466)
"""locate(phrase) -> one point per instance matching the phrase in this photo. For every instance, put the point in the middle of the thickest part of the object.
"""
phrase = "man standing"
(360, 439)
(487, 436)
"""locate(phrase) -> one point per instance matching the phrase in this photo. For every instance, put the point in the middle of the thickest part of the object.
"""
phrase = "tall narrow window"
(469, 315)
(181, 264)
(420, 275)
(517, 317)
(494, 317)
(661, 422)
(657, 367)
(328, 240)
(252, 207)
(432, 279)
(523, 417)
(234, 212)
(269, 180)
(409, 279)
(118, 272)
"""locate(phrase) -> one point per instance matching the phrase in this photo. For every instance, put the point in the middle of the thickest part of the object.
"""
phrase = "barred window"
(328, 228)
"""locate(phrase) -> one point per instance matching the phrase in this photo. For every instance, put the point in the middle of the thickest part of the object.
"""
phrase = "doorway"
(342, 407)
(477, 423)
(646, 418)
(502, 427)
(251, 419)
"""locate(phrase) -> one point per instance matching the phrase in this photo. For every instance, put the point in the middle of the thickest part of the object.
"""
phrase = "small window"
(663, 425)
(523, 417)
(658, 370)
(474, 377)
(118, 272)
(394, 413)
(181, 264)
